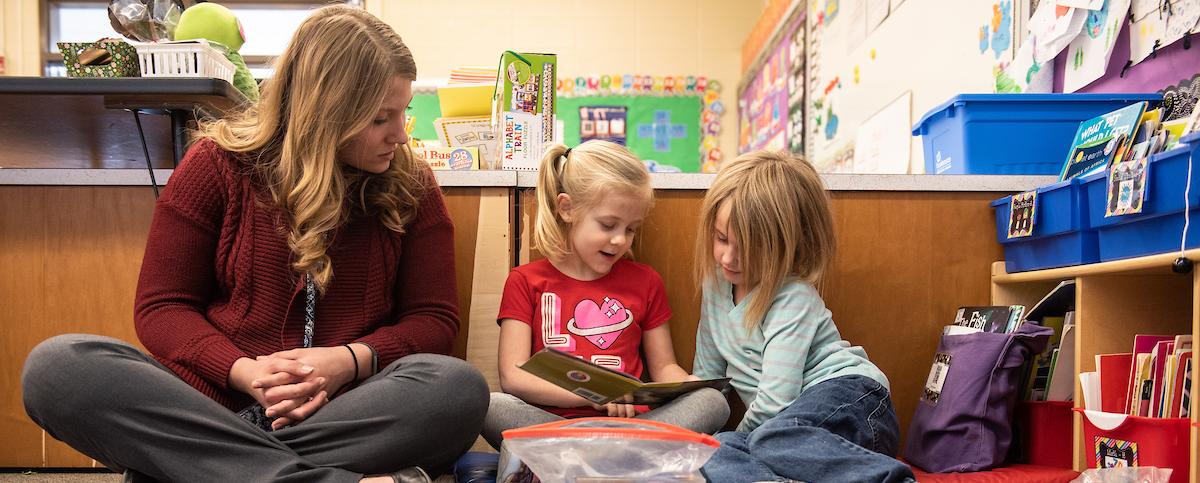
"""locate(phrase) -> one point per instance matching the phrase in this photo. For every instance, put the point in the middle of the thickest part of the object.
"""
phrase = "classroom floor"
(97, 478)
(60, 478)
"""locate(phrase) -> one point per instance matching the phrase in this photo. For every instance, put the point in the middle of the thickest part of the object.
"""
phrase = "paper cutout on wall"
(1179, 100)
(1089, 53)
(832, 7)
(711, 155)
(1024, 74)
(997, 34)
(831, 123)
(661, 131)
(632, 84)
(605, 123)
(1052, 28)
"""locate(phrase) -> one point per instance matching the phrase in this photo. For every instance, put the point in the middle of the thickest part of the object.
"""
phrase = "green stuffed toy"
(217, 24)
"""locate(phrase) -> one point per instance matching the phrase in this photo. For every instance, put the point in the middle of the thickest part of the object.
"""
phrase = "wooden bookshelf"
(1113, 302)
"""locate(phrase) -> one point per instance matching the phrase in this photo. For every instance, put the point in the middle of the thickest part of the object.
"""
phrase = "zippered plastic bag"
(640, 450)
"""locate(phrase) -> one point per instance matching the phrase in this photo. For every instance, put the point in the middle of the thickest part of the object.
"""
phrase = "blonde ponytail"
(550, 231)
(584, 173)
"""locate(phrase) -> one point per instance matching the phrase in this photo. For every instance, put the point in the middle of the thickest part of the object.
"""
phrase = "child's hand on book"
(692, 377)
(617, 409)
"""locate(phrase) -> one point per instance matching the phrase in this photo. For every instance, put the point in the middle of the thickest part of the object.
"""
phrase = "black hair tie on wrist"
(353, 357)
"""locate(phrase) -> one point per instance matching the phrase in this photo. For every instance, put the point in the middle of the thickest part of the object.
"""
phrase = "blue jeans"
(843, 429)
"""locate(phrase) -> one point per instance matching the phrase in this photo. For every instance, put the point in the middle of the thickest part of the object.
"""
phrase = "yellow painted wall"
(659, 37)
(654, 37)
(20, 37)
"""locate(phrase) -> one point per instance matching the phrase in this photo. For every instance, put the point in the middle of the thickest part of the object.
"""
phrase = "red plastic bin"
(1160, 442)
(1044, 432)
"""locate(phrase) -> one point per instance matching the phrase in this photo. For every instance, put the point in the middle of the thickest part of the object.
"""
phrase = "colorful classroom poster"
(797, 58)
(1088, 54)
(663, 131)
(606, 123)
(766, 103)
(422, 111)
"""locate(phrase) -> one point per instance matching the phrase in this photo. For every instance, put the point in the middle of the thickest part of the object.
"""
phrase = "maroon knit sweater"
(217, 283)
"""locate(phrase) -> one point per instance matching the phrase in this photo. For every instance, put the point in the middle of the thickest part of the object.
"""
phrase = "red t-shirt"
(601, 320)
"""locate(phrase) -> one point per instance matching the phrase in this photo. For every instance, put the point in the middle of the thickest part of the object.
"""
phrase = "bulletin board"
(865, 54)
(771, 103)
(664, 131)
(424, 109)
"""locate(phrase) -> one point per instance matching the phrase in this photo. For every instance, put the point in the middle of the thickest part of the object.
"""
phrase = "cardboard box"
(465, 100)
(523, 108)
(470, 132)
(453, 159)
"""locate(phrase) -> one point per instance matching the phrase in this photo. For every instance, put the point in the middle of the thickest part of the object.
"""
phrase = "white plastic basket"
(186, 58)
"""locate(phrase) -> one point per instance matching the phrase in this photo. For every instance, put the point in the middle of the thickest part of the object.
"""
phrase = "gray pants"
(116, 404)
(703, 410)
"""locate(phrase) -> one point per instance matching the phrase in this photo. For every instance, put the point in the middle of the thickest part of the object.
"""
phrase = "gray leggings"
(703, 410)
(118, 405)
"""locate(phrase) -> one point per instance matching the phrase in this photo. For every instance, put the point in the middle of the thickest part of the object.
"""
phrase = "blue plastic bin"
(1159, 227)
(1061, 236)
(1010, 133)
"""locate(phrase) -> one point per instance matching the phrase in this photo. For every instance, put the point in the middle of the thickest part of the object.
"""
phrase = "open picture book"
(602, 385)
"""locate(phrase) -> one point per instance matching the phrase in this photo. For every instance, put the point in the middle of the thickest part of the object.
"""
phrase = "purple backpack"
(963, 422)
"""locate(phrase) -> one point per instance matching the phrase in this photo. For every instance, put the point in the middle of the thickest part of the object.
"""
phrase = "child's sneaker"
(412, 474)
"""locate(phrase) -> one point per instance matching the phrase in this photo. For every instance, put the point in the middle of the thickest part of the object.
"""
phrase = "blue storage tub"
(1159, 227)
(1010, 133)
(1061, 235)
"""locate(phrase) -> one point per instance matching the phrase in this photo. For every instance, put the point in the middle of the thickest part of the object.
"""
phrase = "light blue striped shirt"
(794, 348)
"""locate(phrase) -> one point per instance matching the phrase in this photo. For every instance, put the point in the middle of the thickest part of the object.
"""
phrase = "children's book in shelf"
(1000, 319)
(1103, 140)
(602, 385)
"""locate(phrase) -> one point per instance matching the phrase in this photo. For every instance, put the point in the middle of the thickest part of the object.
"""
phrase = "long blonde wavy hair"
(587, 173)
(328, 86)
(780, 218)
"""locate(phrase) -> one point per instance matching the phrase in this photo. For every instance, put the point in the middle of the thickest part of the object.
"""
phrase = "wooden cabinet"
(71, 257)
(1113, 302)
(905, 261)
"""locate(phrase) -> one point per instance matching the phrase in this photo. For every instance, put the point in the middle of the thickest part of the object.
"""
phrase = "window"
(268, 25)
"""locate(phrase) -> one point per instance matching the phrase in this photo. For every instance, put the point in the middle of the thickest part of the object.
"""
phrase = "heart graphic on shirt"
(600, 324)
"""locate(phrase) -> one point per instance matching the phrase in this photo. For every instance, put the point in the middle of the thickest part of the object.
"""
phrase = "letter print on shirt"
(551, 337)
